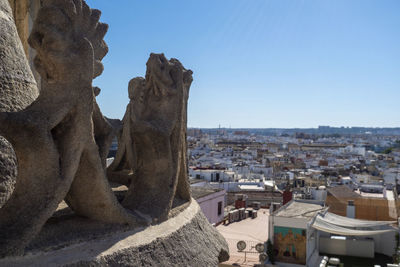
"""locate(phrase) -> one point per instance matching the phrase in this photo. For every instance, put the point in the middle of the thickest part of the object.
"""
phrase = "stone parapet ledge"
(184, 240)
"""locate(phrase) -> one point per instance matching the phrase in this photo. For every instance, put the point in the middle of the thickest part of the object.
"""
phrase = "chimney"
(287, 195)
(351, 209)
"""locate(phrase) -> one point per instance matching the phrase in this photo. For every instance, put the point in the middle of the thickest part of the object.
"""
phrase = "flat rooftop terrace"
(299, 209)
(252, 231)
(199, 192)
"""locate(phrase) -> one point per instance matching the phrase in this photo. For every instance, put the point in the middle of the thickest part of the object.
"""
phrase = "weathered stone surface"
(8, 170)
(53, 138)
(61, 142)
(21, 18)
(17, 90)
(185, 240)
(153, 141)
(25, 12)
(123, 166)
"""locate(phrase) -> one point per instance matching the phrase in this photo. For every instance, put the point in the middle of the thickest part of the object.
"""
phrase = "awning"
(335, 224)
(350, 222)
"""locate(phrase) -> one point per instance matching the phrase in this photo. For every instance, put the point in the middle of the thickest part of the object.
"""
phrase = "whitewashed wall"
(209, 206)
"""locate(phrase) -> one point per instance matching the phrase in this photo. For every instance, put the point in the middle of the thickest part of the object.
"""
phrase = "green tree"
(388, 150)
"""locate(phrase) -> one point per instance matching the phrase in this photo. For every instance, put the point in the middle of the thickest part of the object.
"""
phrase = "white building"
(303, 231)
(211, 201)
(291, 235)
(213, 175)
(238, 186)
(390, 175)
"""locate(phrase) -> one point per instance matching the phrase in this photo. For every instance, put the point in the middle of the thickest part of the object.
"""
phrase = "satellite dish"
(260, 247)
(241, 245)
(263, 257)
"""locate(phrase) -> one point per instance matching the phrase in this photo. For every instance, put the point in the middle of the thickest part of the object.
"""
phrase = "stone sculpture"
(61, 141)
(157, 120)
(17, 90)
(8, 170)
(54, 137)
(123, 165)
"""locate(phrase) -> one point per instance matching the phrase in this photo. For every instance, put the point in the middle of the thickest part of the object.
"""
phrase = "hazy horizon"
(349, 127)
(262, 64)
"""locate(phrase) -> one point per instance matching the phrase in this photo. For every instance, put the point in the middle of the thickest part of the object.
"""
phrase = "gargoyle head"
(136, 89)
(68, 39)
(137, 94)
(166, 77)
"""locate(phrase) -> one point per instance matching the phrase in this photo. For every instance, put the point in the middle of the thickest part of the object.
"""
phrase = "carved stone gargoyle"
(53, 138)
(17, 90)
(153, 140)
(121, 169)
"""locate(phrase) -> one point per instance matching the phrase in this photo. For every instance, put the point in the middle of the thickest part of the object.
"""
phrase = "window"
(219, 208)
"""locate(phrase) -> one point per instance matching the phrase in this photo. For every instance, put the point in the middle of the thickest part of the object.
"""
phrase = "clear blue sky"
(262, 63)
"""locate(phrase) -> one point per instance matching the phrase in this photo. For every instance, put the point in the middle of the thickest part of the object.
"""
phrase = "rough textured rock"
(53, 138)
(153, 142)
(185, 240)
(8, 170)
(61, 141)
(24, 13)
(17, 90)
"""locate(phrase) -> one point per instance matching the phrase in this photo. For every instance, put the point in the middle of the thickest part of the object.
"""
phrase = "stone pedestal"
(185, 240)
